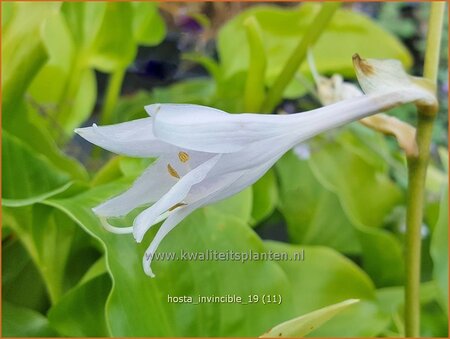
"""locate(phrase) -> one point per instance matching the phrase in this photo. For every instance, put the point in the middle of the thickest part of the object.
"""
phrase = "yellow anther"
(183, 156)
(172, 171)
(176, 206)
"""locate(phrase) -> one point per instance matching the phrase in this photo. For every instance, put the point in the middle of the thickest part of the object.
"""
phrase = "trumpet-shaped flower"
(205, 155)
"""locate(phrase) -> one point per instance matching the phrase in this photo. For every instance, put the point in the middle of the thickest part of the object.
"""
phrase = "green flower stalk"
(417, 170)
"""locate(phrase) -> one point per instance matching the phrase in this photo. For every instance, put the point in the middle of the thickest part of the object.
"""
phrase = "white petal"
(311, 123)
(205, 192)
(173, 220)
(195, 111)
(226, 184)
(209, 130)
(377, 76)
(133, 138)
(174, 196)
(148, 188)
(152, 184)
(229, 133)
(247, 178)
(255, 154)
(263, 154)
(208, 188)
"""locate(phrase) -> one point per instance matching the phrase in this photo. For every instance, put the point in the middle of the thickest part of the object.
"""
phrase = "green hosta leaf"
(439, 251)
(82, 101)
(265, 197)
(70, 86)
(301, 326)
(25, 124)
(124, 26)
(239, 205)
(382, 255)
(83, 20)
(23, 52)
(60, 250)
(207, 229)
(84, 36)
(134, 167)
(97, 269)
(114, 47)
(390, 299)
(433, 318)
(28, 177)
(119, 167)
(363, 186)
(24, 55)
(367, 196)
(434, 321)
(7, 10)
(435, 180)
(313, 214)
(109, 172)
(6, 232)
(75, 103)
(23, 322)
(192, 91)
(230, 93)
(13, 248)
(282, 29)
(58, 42)
(149, 27)
(340, 279)
(325, 277)
(85, 304)
(21, 283)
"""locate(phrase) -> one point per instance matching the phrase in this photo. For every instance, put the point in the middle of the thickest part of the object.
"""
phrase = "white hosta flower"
(206, 155)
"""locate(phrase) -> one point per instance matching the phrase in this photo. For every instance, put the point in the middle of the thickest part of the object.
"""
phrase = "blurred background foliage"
(341, 196)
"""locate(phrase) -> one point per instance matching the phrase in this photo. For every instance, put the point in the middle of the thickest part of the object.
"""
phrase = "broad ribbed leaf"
(28, 176)
(24, 322)
(153, 313)
(282, 29)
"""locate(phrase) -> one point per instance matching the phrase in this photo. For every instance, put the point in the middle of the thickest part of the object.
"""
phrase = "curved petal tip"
(152, 109)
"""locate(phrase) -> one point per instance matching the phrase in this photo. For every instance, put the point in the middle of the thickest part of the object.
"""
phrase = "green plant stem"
(417, 170)
(433, 47)
(112, 93)
(312, 34)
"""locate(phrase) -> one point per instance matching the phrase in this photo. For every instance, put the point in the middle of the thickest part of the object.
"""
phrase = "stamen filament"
(113, 229)
(128, 230)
